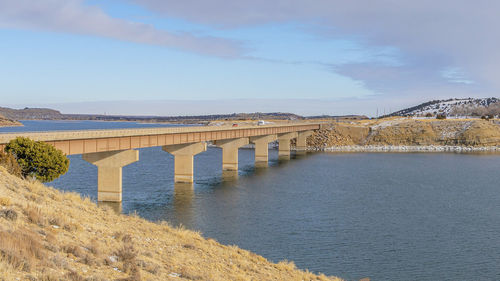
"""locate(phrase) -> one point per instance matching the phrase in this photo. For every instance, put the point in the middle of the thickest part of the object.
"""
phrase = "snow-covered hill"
(452, 107)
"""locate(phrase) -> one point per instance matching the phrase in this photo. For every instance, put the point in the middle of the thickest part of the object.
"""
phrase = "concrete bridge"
(110, 150)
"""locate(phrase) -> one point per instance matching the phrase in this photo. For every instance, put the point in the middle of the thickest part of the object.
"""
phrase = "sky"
(185, 57)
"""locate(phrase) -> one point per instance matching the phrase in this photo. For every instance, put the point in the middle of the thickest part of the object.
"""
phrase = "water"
(387, 216)
(64, 125)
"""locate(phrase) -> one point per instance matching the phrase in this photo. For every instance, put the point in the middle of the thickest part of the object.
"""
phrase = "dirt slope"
(403, 131)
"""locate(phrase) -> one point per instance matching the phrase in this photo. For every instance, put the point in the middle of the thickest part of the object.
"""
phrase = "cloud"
(398, 82)
(440, 44)
(73, 16)
(432, 36)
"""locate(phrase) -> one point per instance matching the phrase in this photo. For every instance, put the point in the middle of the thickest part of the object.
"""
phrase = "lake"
(387, 216)
(65, 125)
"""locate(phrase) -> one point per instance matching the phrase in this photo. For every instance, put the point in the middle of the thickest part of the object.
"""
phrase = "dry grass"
(8, 214)
(4, 201)
(9, 162)
(34, 215)
(21, 249)
(61, 236)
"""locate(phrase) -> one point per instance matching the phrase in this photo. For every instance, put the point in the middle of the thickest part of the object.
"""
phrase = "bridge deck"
(89, 141)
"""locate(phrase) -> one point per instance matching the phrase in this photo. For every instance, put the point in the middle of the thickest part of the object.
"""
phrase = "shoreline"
(405, 148)
(3, 125)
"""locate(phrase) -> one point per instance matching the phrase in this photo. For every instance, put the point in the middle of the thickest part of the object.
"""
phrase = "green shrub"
(38, 159)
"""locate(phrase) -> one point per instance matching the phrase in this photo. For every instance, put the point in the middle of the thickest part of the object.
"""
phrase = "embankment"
(408, 134)
(46, 234)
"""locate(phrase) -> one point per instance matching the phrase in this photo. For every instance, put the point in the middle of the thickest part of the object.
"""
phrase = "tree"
(38, 159)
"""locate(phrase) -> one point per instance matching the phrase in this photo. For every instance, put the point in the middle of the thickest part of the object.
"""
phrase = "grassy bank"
(49, 235)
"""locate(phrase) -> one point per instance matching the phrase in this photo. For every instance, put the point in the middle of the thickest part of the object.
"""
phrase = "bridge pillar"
(230, 152)
(284, 144)
(184, 155)
(109, 172)
(302, 140)
(262, 148)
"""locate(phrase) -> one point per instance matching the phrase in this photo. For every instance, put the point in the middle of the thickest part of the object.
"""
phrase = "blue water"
(37, 126)
(387, 216)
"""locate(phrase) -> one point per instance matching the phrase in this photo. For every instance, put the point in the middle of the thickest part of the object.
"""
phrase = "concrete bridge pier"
(184, 157)
(262, 149)
(109, 172)
(302, 140)
(284, 145)
(230, 152)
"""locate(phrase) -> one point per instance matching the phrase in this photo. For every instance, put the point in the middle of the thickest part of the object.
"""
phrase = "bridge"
(110, 150)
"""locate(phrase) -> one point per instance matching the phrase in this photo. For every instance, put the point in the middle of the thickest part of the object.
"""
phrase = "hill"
(187, 119)
(51, 114)
(46, 234)
(453, 107)
(30, 113)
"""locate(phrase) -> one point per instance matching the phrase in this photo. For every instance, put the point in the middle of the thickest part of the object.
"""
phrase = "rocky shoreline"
(6, 122)
(9, 123)
(405, 148)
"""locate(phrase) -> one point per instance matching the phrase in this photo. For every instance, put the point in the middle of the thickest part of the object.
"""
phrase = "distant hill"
(453, 107)
(187, 119)
(50, 114)
(30, 113)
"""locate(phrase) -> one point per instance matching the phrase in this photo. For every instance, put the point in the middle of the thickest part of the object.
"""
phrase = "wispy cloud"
(432, 36)
(444, 48)
(401, 82)
(74, 16)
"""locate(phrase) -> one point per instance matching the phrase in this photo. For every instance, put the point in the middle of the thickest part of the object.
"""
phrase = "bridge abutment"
(230, 152)
(262, 149)
(184, 158)
(109, 172)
